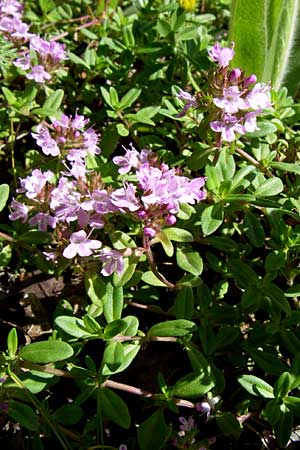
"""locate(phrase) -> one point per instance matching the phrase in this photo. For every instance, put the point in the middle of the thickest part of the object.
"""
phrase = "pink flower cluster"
(42, 57)
(77, 204)
(160, 191)
(237, 99)
(66, 137)
(11, 25)
(238, 105)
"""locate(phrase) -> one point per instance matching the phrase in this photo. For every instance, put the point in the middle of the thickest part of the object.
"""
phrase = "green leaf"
(113, 302)
(114, 328)
(35, 237)
(4, 193)
(275, 294)
(114, 408)
(129, 353)
(106, 96)
(12, 343)
(193, 385)
(286, 167)
(272, 186)
(225, 165)
(9, 95)
(229, 424)
(243, 274)
(282, 385)
(149, 278)
(68, 414)
(248, 31)
(122, 130)
(275, 260)
(189, 260)
(295, 371)
(293, 404)
(254, 230)
(91, 325)
(212, 218)
(256, 386)
(251, 299)
(127, 274)
(163, 27)
(132, 326)
(113, 356)
(77, 60)
(283, 428)
(36, 381)
(267, 361)
(46, 352)
(178, 234)
(264, 129)
(23, 414)
(53, 102)
(163, 238)
(5, 255)
(178, 328)
(129, 98)
(72, 326)
(151, 433)
(184, 304)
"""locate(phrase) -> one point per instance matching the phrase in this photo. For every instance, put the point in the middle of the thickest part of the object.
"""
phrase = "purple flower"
(80, 245)
(126, 162)
(112, 261)
(222, 56)
(166, 188)
(186, 425)
(207, 406)
(34, 183)
(90, 139)
(38, 74)
(19, 211)
(14, 29)
(23, 62)
(50, 53)
(231, 102)
(42, 220)
(131, 159)
(125, 199)
(189, 101)
(259, 97)
(45, 141)
(228, 127)
(11, 8)
(250, 121)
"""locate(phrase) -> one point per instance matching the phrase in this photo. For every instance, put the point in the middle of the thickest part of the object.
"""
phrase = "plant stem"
(137, 391)
(152, 265)
(254, 162)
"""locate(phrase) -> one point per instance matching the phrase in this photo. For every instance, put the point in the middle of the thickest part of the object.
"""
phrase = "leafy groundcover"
(150, 224)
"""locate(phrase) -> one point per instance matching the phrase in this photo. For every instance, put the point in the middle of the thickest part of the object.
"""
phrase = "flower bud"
(142, 214)
(148, 231)
(250, 80)
(170, 219)
(235, 75)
